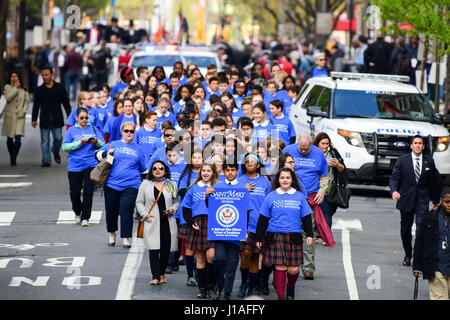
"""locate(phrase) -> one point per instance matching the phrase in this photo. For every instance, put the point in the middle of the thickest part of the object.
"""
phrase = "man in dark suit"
(377, 55)
(413, 183)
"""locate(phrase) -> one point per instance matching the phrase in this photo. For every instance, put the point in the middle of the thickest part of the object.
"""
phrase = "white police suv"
(370, 119)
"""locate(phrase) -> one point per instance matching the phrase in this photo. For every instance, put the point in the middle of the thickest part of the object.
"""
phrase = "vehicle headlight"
(353, 138)
(442, 144)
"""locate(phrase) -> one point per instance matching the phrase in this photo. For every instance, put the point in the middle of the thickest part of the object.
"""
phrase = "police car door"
(308, 97)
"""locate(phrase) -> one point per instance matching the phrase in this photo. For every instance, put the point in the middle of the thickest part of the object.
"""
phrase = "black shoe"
(57, 158)
(242, 290)
(216, 294)
(169, 269)
(227, 296)
(203, 294)
(265, 289)
(290, 294)
(45, 165)
(181, 262)
(407, 261)
(176, 268)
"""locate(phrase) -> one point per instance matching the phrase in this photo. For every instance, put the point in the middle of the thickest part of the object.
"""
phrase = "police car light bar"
(351, 75)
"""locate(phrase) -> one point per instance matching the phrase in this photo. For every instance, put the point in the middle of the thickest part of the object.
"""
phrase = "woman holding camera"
(160, 227)
(80, 141)
(335, 165)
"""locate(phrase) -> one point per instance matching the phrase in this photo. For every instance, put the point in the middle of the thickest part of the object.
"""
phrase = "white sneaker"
(77, 219)
(84, 223)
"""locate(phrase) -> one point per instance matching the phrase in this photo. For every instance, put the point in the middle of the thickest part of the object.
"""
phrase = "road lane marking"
(6, 218)
(13, 175)
(68, 217)
(346, 226)
(130, 270)
(15, 184)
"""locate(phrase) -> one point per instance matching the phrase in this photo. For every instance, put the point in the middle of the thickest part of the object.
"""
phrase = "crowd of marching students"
(173, 141)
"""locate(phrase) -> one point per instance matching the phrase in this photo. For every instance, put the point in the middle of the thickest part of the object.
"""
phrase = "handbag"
(339, 194)
(101, 171)
(140, 228)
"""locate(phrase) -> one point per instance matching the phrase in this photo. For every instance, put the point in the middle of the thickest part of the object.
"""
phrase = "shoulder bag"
(101, 171)
(140, 228)
(339, 193)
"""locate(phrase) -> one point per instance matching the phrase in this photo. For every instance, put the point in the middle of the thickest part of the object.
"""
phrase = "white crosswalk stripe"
(4, 185)
(6, 218)
(68, 217)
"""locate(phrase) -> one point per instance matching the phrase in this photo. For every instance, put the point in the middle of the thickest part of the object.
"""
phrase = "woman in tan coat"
(160, 227)
(15, 111)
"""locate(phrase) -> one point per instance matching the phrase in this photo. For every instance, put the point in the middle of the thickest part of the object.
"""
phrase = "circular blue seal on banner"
(227, 215)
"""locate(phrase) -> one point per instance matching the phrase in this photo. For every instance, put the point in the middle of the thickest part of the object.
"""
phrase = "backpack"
(404, 64)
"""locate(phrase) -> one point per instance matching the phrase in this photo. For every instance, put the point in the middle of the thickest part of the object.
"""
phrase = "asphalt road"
(42, 258)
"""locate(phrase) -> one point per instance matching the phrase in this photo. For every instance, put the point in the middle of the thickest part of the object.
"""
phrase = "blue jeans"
(45, 142)
(328, 211)
(226, 260)
(71, 79)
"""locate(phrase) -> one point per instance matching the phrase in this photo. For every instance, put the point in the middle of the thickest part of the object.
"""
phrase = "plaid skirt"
(183, 230)
(198, 239)
(250, 244)
(281, 252)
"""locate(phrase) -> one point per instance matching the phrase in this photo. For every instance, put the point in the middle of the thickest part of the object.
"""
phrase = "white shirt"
(414, 157)
(202, 184)
(279, 191)
(234, 182)
(160, 114)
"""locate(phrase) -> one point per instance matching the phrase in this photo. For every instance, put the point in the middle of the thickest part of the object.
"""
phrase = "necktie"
(417, 170)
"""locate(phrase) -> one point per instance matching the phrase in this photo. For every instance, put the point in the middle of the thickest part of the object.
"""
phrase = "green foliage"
(428, 17)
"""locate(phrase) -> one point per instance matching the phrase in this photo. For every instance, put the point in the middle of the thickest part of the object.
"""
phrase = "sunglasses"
(83, 118)
(169, 135)
(251, 163)
(128, 131)
(158, 168)
(322, 59)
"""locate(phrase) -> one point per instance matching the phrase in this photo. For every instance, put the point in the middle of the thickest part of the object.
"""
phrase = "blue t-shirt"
(127, 166)
(237, 113)
(284, 97)
(110, 106)
(176, 170)
(285, 128)
(83, 157)
(147, 139)
(102, 116)
(116, 128)
(108, 125)
(195, 199)
(164, 117)
(261, 132)
(119, 87)
(256, 197)
(93, 118)
(159, 154)
(319, 73)
(309, 168)
(183, 183)
(285, 211)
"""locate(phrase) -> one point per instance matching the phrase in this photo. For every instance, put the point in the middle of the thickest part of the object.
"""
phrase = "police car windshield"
(201, 62)
(155, 60)
(382, 105)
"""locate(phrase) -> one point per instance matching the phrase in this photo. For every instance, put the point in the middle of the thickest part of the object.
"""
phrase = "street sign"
(323, 23)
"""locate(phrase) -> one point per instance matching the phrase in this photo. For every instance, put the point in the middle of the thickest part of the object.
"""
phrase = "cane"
(416, 288)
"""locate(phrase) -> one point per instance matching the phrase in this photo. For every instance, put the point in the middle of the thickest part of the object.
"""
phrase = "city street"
(45, 256)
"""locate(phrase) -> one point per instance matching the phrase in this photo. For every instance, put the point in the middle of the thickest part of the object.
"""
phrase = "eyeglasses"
(83, 118)
(158, 168)
(128, 131)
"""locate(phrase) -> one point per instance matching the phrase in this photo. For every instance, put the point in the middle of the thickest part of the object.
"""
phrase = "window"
(313, 95)
(324, 100)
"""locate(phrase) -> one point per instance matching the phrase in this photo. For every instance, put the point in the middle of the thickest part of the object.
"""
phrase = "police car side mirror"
(442, 118)
(315, 111)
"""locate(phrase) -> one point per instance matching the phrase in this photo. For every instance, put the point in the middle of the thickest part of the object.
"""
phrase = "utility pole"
(22, 28)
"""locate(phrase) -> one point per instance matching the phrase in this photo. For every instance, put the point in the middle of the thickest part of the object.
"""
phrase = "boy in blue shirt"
(226, 253)
(282, 123)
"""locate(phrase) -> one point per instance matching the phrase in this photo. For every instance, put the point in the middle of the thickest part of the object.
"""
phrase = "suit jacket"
(426, 245)
(415, 193)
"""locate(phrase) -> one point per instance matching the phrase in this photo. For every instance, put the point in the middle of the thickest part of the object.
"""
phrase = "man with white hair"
(320, 68)
(311, 166)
